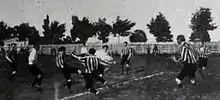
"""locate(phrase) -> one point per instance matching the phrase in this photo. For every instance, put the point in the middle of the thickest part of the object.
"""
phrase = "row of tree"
(83, 29)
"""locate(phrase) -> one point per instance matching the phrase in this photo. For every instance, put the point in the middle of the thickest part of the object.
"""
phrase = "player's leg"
(38, 73)
(40, 76)
(204, 66)
(33, 72)
(89, 82)
(127, 65)
(200, 67)
(122, 65)
(73, 70)
(192, 68)
(100, 70)
(14, 70)
(97, 77)
(67, 75)
(205, 63)
(181, 75)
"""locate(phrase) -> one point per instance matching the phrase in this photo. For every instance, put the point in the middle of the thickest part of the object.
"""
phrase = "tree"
(138, 36)
(121, 27)
(4, 31)
(103, 30)
(46, 26)
(57, 32)
(83, 29)
(23, 31)
(201, 23)
(34, 36)
(160, 28)
(53, 32)
(12, 32)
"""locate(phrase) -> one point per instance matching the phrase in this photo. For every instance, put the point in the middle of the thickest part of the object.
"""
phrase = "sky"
(177, 12)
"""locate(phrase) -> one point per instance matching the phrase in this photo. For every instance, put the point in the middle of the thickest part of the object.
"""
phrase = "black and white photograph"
(109, 50)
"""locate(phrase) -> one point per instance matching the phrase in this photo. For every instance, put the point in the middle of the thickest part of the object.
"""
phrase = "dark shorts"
(125, 60)
(202, 62)
(100, 69)
(68, 69)
(187, 70)
(35, 70)
(13, 66)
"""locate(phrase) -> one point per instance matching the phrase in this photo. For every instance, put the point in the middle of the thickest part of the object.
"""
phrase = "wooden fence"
(139, 48)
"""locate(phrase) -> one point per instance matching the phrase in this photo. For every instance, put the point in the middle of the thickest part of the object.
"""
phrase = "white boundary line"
(124, 82)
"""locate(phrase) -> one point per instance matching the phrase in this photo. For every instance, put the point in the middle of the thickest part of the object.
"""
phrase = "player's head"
(105, 47)
(37, 47)
(92, 51)
(126, 43)
(14, 46)
(62, 49)
(180, 39)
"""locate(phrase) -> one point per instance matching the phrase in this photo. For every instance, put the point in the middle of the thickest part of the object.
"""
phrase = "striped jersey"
(60, 59)
(204, 52)
(126, 51)
(188, 54)
(90, 62)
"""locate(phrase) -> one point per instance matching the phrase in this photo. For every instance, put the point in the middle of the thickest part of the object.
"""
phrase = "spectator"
(148, 50)
(155, 50)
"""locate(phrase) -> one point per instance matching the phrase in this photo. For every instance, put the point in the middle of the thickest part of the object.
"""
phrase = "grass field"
(161, 87)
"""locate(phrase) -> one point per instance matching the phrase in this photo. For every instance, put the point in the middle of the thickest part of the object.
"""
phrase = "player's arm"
(105, 62)
(130, 53)
(121, 53)
(7, 57)
(77, 57)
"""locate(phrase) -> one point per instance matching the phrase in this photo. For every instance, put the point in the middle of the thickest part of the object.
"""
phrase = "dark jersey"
(2, 52)
(12, 55)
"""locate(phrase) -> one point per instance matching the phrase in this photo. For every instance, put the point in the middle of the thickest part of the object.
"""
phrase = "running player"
(65, 69)
(126, 54)
(91, 64)
(189, 59)
(106, 60)
(203, 58)
(34, 68)
(11, 57)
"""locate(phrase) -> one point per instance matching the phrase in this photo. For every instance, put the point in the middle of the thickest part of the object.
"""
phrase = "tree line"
(159, 27)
